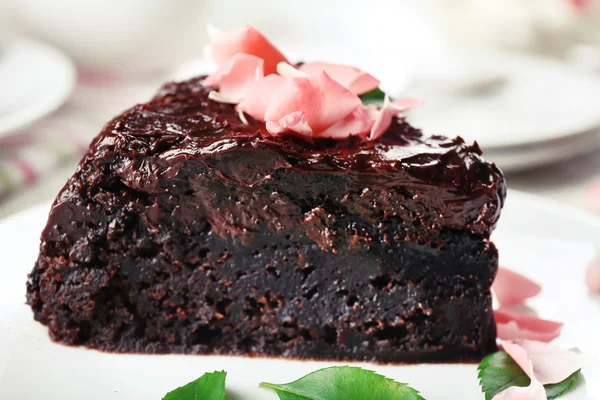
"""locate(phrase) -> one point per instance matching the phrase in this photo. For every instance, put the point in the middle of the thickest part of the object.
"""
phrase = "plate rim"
(476, 58)
(40, 109)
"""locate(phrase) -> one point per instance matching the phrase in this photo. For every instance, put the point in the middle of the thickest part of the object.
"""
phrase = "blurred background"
(522, 77)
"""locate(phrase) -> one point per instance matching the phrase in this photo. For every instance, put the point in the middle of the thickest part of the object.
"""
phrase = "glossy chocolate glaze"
(446, 177)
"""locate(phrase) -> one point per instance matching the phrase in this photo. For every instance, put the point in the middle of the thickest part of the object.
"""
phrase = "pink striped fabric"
(27, 155)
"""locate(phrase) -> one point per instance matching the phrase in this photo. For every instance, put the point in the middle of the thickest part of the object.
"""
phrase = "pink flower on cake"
(512, 325)
(242, 39)
(319, 100)
(355, 80)
(304, 105)
(513, 288)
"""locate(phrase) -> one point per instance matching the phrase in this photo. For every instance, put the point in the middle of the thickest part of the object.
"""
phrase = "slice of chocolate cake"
(187, 230)
(265, 210)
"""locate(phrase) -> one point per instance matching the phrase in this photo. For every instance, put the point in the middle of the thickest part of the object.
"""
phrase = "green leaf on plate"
(210, 386)
(344, 383)
(557, 389)
(498, 371)
(374, 96)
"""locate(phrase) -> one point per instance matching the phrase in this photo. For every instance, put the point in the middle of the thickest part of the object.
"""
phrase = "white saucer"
(522, 110)
(542, 239)
(518, 158)
(35, 80)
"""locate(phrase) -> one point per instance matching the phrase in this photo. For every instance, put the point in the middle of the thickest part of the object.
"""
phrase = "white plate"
(535, 102)
(548, 242)
(35, 80)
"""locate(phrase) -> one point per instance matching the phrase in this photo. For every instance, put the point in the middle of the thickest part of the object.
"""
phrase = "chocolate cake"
(186, 230)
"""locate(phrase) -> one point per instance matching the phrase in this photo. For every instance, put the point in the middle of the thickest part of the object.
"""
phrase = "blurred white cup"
(120, 35)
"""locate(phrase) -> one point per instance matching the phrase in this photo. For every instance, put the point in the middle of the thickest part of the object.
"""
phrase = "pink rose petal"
(243, 39)
(323, 101)
(383, 121)
(219, 98)
(513, 288)
(520, 356)
(358, 123)
(512, 325)
(355, 80)
(387, 113)
(258, 95)
(592, 277)
(535, 390)
(235, 75)
(551, 364)
(293, 122)
(286, 70)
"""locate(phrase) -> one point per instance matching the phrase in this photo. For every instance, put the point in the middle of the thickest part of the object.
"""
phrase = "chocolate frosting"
(154, 147)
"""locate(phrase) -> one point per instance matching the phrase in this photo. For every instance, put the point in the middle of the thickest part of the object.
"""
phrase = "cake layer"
(186, 230)
(276, 295)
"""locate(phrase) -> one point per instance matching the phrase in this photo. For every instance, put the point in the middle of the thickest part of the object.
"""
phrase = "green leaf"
(553, 391)
(374, 96)
(344, 383)
(210, 386)
(498, 371)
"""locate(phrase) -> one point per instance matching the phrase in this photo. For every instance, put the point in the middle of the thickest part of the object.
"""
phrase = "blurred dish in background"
(523, 111)
(35, 79)
(540, 26)
(518, 158)
(117, 35)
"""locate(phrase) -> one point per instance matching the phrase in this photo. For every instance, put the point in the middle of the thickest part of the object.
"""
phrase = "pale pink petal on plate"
(535, 390)
(243, 39)
(323, 101)
(519, 355)
(513, 288)
(233, 77)
(592, 277)
(513, 325)
(258, 95)
(551, 364)
(355, 80)
(357, 123)
(293, 122)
